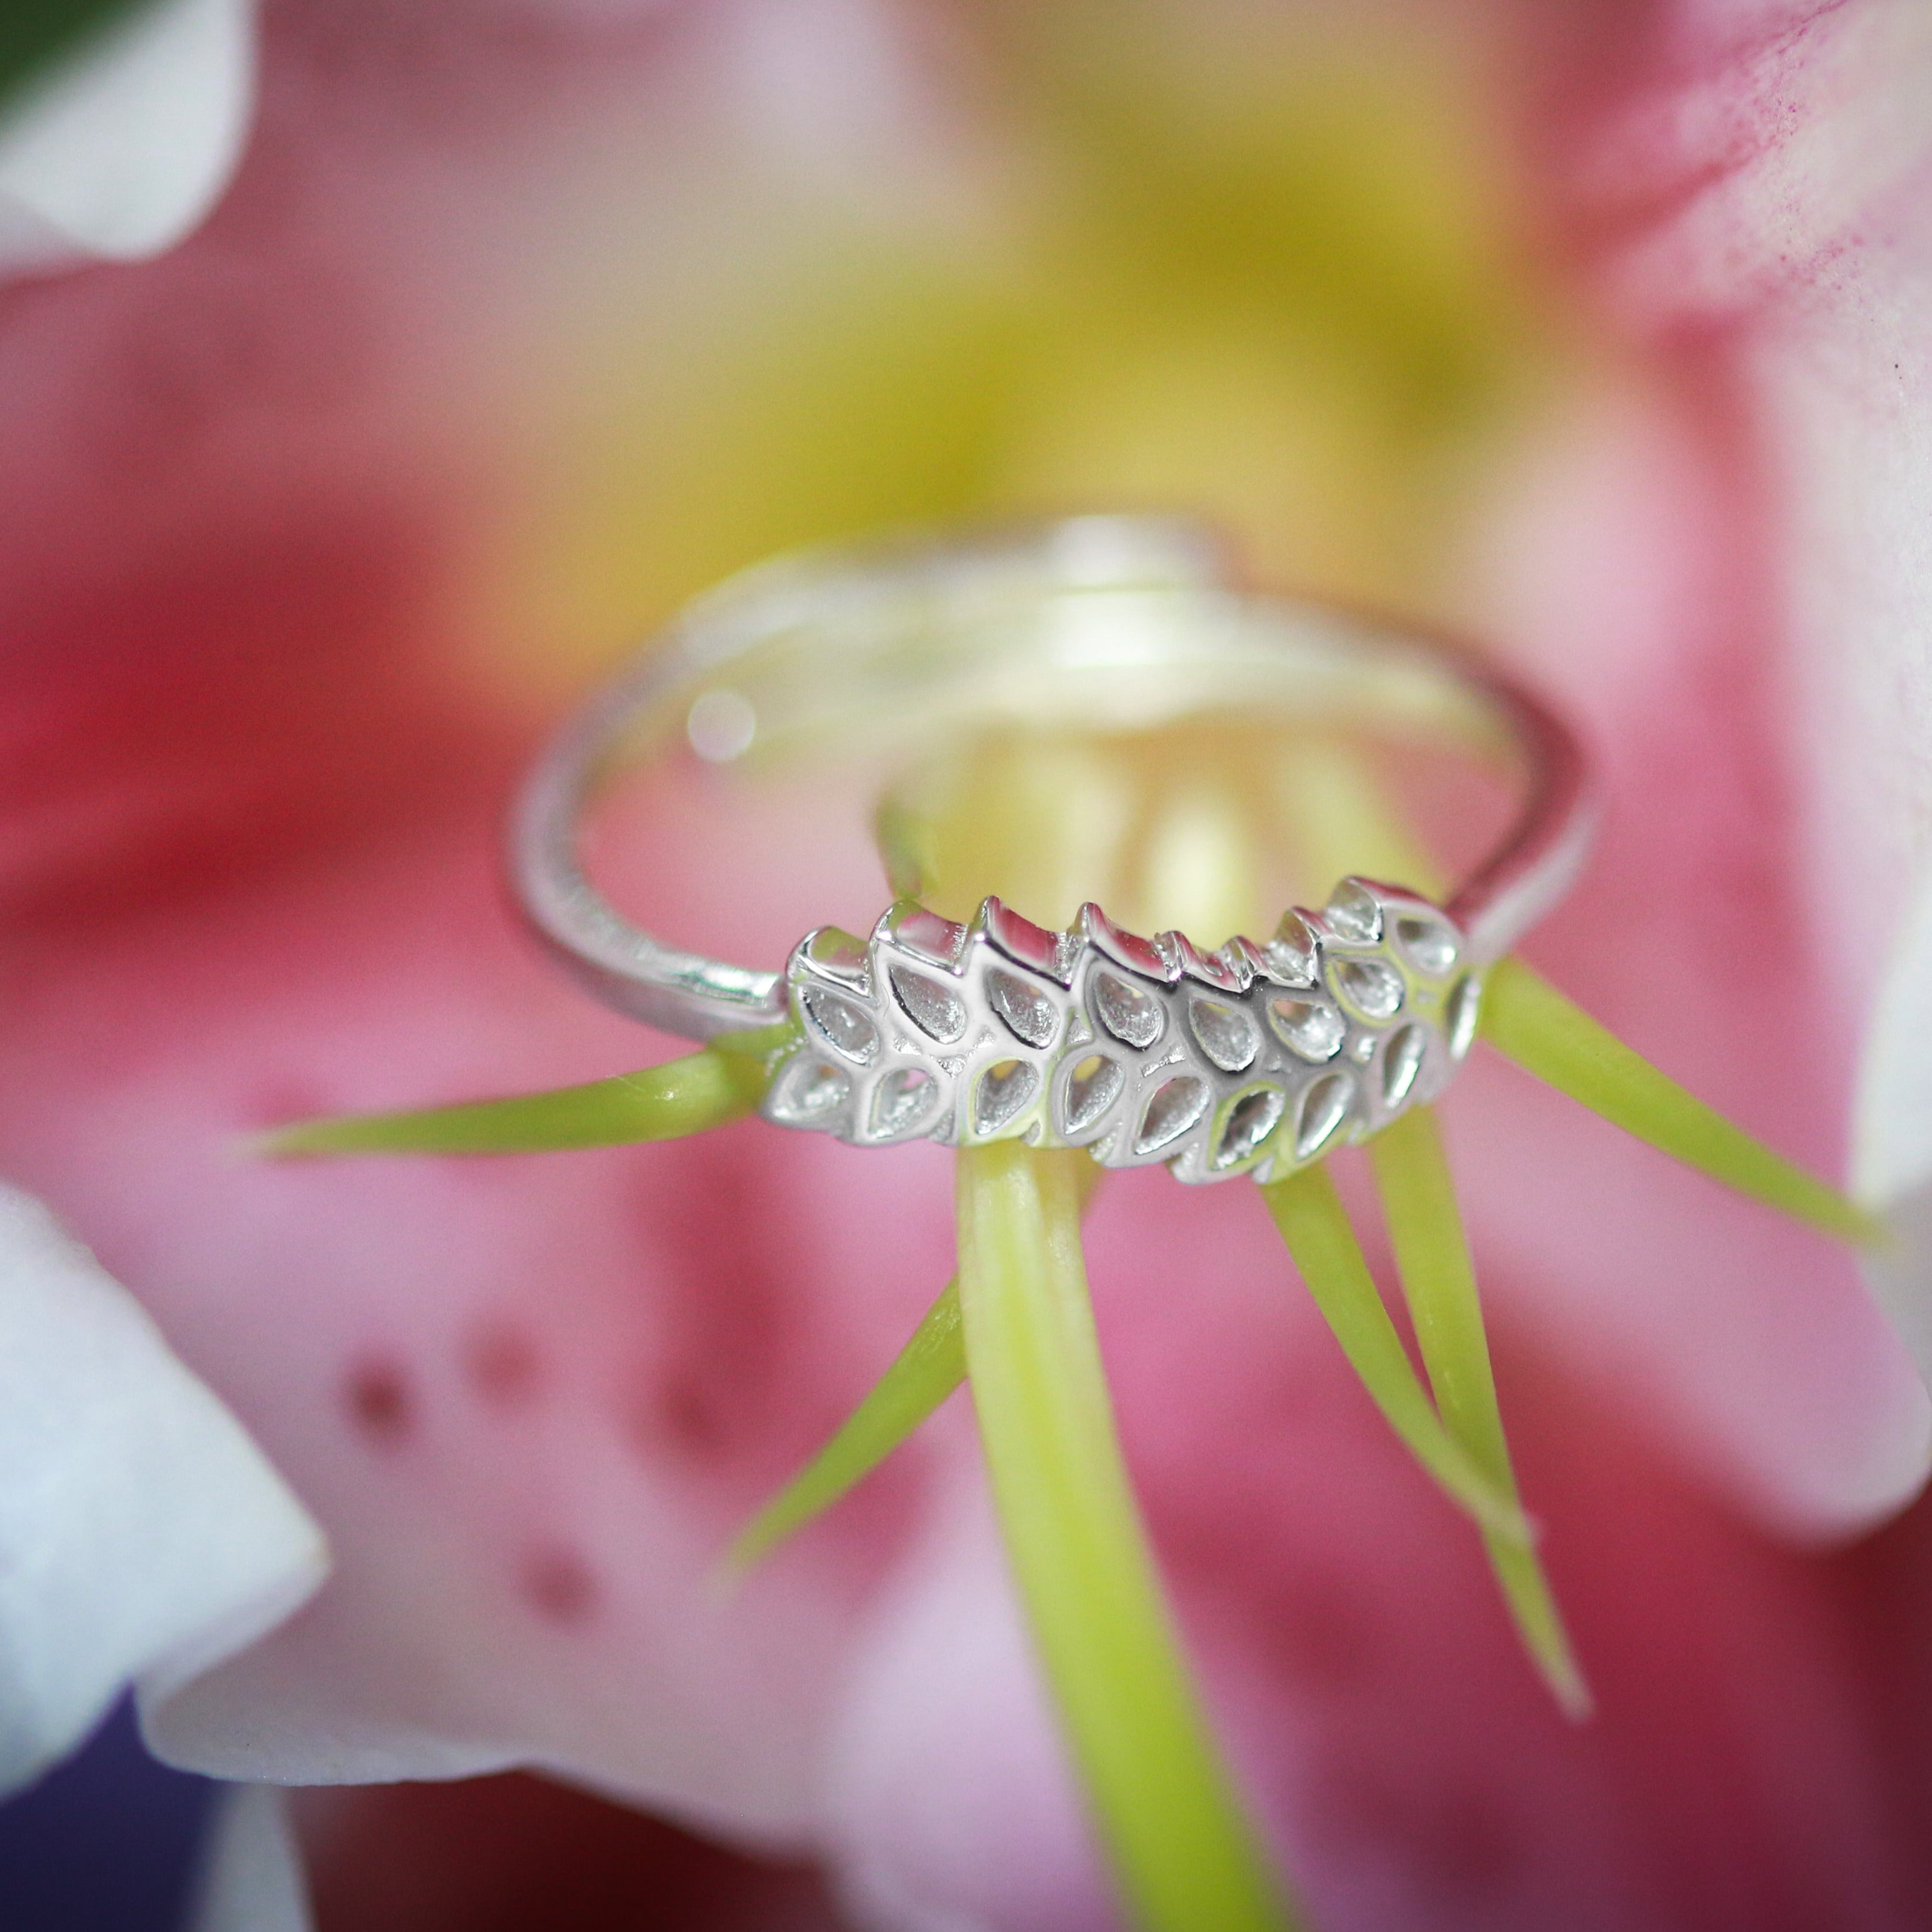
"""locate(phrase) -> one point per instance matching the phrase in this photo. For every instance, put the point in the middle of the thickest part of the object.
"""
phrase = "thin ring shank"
(1111, 621)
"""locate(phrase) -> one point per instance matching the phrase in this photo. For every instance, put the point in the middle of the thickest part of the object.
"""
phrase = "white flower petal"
(143, 1535)
(1892, 1156)
(1892, 1149)
(122, 151)
(252, 1877)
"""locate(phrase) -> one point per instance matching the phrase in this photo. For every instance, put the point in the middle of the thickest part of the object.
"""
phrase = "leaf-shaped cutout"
(808, 1090)
(1092, 1086)
(1226, 1033)
(937, 1010)
(1402, 1061)
(1005, 1091)
(1461, 1011)
(1176, 1105)
(1252, 1117)
(1029, 1014)
(1130, 1013)
(1374, 990)
(903, 1099)
(1430, 945)
(1312, 1029)
(1325, 1106)
(1354, 912)
(842, 1022)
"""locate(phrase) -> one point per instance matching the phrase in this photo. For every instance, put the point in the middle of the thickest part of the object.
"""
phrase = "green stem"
(1439, 1280)
(1185, 1857)
(931, 1366)
(1315, 1225)
(723, 1081)
(1526, 1017)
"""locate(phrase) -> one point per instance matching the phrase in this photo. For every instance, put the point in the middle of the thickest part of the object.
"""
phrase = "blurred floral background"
(373, 375)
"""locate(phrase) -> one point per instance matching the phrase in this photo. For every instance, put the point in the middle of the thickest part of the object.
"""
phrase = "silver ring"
(1254, 1058)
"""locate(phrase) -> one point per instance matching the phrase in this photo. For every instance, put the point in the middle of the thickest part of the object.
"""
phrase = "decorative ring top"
(1255, 1057)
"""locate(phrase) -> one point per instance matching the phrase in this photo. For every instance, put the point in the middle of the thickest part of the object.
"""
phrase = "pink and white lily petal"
(1724, 569)
(1624, 578)
(1779, 180)
(607, 1358)
(949, 1656)
(1838, 356)
(1828, 260)
(531, 1398)
(143, 1536)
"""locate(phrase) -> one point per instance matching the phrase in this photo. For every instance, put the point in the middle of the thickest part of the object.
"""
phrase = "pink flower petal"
(529, 1398)
(255, 770)
(1631, 582)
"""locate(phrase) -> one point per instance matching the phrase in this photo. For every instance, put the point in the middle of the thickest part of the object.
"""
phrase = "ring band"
(1252, 1057)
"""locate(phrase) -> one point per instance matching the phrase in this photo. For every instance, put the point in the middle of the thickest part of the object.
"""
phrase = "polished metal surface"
(1256, 1056)
(1252, 1057)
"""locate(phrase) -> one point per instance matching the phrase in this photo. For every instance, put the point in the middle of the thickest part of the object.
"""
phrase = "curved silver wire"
(1105, 621)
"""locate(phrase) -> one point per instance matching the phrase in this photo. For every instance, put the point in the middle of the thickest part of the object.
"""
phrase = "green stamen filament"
(931, 1366)
(1184, 1854)
(1315, 1225)
(686, 1096)
(1525, 1018)
(1438, 1281)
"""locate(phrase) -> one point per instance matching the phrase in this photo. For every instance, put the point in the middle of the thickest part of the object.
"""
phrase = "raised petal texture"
(143, 1535)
